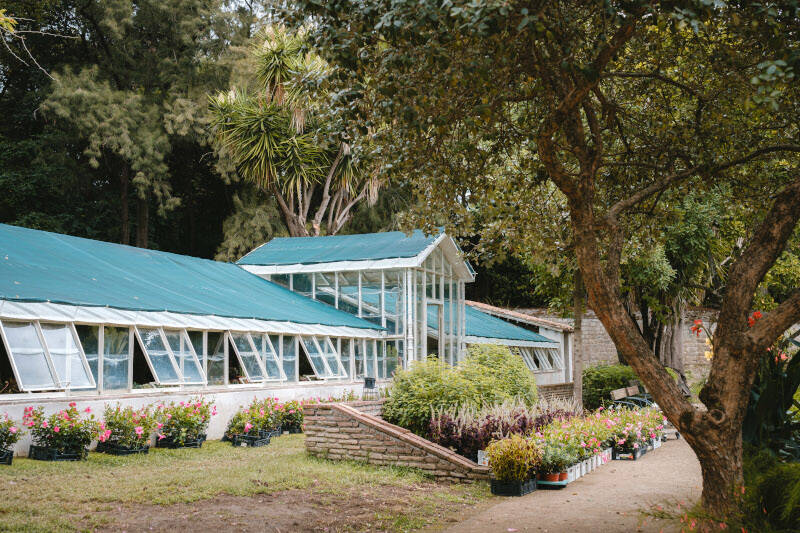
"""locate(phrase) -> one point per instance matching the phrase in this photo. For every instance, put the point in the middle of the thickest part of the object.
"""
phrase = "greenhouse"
(83, 317)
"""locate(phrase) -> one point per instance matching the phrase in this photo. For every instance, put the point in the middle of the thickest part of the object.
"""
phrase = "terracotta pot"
(550, 477)
(562, 476)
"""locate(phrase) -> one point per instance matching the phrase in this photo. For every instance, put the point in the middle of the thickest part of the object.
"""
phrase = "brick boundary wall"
(338, 431)
(562, 391)
(368, 407)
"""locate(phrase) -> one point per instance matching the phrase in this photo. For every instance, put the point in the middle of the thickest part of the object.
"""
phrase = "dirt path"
(607, 500)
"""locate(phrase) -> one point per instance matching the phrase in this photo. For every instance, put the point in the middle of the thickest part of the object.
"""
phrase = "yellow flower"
(709, 355)
(708, 341)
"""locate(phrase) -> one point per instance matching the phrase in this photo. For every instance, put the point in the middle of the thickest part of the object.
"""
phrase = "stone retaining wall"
(339, 432)
(562, 391)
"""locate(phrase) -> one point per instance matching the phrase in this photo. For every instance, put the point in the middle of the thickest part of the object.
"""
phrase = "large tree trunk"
(125, 223)
(142, 221)
(577, 339)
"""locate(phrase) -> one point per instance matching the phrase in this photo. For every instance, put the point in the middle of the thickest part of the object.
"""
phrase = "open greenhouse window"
(550, 357)
(248, 357)
(159, 357)
(527, 357)
(185, 357)
(323, 358)
(269, 356)
(46, 357)
(332, 358)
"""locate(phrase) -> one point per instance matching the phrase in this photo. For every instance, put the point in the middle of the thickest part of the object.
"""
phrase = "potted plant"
(553, 462)
(244, 429)
(63, 436)
(183, 425)
(125, 430)
(513, 462)
(267, 417)
(10, 432)
(291, 416)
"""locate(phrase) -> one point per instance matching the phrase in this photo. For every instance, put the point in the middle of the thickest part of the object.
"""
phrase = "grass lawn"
(277, 487)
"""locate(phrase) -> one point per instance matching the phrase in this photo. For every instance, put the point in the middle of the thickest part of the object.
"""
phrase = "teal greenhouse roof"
(337, 248)
(39, 266)
(480, 324)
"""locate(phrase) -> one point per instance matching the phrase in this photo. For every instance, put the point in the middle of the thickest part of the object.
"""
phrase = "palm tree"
(285, 138)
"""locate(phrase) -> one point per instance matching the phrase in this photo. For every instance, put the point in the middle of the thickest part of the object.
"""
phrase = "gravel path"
(607, 500)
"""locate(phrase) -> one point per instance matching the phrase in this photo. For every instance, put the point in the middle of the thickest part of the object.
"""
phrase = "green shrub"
(772, 498)
(498, 375)
(488, 376)
(600, 380)
(513, 459)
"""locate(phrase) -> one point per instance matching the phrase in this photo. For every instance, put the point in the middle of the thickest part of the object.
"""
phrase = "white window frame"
(266, 342)
(178, 373)
(255, 351)
(186, 341)
(57, 385)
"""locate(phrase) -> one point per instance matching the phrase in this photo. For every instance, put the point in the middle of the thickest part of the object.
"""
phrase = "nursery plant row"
(67, 434)
(569, 448)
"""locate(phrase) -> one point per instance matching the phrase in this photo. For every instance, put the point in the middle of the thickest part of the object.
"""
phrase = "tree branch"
(665, 182)
(326, 196)
(765, 331)
(749, 269)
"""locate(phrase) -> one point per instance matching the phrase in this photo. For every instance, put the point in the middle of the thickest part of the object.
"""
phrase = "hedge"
(600, 380)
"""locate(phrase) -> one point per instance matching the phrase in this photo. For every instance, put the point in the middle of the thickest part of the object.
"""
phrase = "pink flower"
(45, 424)
(169, 416)
(72, 404)
(161, 437)
(160, 425)
(87, 410)
(636, 446)
(56, 429)
(12, 429)
(248, 427)
(139, 430)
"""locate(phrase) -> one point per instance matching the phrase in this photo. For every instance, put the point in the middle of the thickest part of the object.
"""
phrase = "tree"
(618, 104)
(143, 94)
(281, 138)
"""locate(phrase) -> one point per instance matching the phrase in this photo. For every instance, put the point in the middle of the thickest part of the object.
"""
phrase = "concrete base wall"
(227, 399)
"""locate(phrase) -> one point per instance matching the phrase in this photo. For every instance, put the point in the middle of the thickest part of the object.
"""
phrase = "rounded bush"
(600, 380)
(488, 376)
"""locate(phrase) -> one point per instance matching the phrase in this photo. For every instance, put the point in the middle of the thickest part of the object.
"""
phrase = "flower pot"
(113, 448)
(46, 453)
(550, 477)
(656, 443)
(562, 476)
(293, 429)
(269, 433)
(6, 456)
(628, 454)
(249, 441)
(168, 442)
(512, 488)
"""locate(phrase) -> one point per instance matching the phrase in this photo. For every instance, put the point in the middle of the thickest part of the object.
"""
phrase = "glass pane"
(153, 346)
(370, 360)
(325, 289)
(331, 357)
(215, 364)
(393, 353)
(184, 357)
(197, 342)
(28, 355)
(302, 283)
(382, 359)
(358, 349)
(66, 356)
(344, 355)
(348, 292)
(289, 358)
(315, 357)
(269, 357)
(249, 358)
(281, 279)
(88, 336)
(115, 358)
(371, 296)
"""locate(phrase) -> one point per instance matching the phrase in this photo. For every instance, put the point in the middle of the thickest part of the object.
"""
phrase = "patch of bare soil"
(372, 509)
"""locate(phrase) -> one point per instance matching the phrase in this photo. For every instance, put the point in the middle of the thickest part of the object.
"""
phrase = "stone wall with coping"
(342, 432)
(562, 391)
